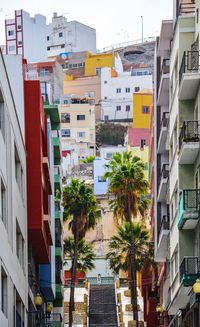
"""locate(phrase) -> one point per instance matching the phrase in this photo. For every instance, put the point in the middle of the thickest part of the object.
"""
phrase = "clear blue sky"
(115, 21)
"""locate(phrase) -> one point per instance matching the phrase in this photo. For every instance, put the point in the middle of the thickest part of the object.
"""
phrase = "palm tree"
(81, 211)
(119, 254)
(88, 159)
(128, 185)
(86, 254)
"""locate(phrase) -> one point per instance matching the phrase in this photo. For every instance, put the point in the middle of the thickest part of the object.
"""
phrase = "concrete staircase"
(102, 306)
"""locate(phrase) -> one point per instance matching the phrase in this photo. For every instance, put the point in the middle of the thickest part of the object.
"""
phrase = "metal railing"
(189, 132)
(165, 66)
(190, 63)
(165, 171)
(164, 224)
(40, 319)
(190, 266)
(191, 199)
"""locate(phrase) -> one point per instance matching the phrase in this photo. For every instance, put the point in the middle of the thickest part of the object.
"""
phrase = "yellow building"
(143, 154)
(142, 107)
(93, 63)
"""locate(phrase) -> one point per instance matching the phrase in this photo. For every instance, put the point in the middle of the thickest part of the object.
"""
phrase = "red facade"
(38, 179)
(136, 134)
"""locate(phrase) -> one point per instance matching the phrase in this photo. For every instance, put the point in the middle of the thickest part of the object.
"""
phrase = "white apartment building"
(13, 210)
(26, 35)
(78, 129)
(64, 37)
(117, 92)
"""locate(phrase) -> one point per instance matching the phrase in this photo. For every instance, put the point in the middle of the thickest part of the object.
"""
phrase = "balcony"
(57, 179)
(57, 147)
(189, 142)
(189, 271)
(189, 75)
(189, 209)
(162, 248)
(163, 91)
(36, 318)
(162, 190)
(59, 252)
(163, 133)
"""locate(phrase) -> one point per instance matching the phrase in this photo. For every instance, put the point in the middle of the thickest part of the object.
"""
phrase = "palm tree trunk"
(73, 277)
(133, 269)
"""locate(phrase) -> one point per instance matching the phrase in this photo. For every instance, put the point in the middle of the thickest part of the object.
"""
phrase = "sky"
(116, 21)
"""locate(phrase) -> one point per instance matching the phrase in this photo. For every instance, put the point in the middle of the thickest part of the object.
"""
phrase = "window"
(48, 48)
(47, 38)
(11, 48)
(65, 133)
(80, 117)
(65, 118)
(105, 82)
(19, 27)
(118, 90)
(19, 42)
(106, 117)
(127, 90)
(142, 143)
(145, 110)
(128, 107)
(19, 175)
(4, 292)
(101, 179)
(81, 134)
(3, 203)
(74, 65)
(105, 98)
(118, 108)
(60, 34)
(2, 116)
(109, 155)
(174, 264)
(11, 32)
(19, 245)
(197, 15)
(80, 64)
(137, 88)
(98, 71)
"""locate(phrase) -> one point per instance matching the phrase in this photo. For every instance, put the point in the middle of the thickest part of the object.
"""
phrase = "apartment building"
(160, 170)
(117, 89)
(78, 128)
(65, 36)
(26, 36)
(13, 208)
(43, 200)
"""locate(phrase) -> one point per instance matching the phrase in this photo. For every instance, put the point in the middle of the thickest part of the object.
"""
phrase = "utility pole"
(142, 30)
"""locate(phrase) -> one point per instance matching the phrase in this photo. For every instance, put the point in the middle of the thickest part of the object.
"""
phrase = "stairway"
(102, 306)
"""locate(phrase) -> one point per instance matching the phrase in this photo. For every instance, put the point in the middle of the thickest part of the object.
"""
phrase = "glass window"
(109, 155)
(65, 133)
(127, 90)
(60, 34)
(19, 175)
(65, 117)
(11, 48)
(81, 134)
(80, 117)
(106, 117)
(47, 38)
(11, 32)
(19, 245)
(101, 179)
(142, 143)
(118, 90)
(128, 107)
(137, 88)
(145, 110)
(118, 108)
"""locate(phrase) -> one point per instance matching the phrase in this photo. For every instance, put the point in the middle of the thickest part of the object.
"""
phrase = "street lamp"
(196, 290)
(159, 310)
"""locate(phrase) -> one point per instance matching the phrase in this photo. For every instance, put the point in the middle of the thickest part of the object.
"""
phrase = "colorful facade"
(142, 107)
(94, 63)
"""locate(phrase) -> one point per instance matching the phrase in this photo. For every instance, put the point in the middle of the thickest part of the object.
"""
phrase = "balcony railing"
(189, 132)
(37, 318)
(190, 63)
(165, 66)
(165, 171)
(189, 270)
(164, 224)
(191, 200)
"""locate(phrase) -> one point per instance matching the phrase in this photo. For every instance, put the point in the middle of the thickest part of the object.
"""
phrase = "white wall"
(75, 37)
(111, 99)
(107, 152)
(16, 205)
